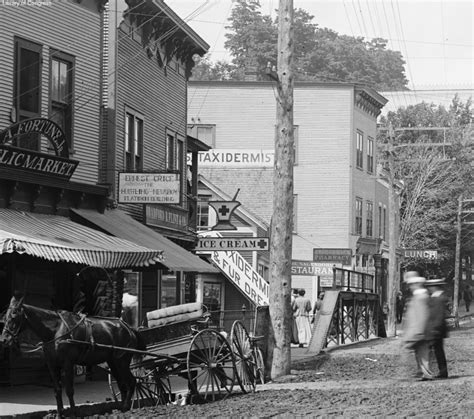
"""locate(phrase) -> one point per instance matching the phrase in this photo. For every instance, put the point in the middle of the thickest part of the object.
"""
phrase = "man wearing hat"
(437, 326)
(415, 325)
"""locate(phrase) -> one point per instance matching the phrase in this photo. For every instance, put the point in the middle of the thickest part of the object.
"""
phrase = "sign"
(224, 210)
(343, 256)
(166, 216)
(234, 158)
(149, 188)
(236, 268)
(43, 126)
(233, 243)
(310, 268)
(421, 254)
(32, 161)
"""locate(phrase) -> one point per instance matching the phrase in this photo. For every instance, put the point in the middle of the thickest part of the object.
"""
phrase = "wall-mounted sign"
(235, 158)
(343, 256)
(421, 254)
(236, 268)
(43, 126)
(149, 188)
(32, 161)
(166, 216)
(233, 243)
(310, 268)
(224, 210)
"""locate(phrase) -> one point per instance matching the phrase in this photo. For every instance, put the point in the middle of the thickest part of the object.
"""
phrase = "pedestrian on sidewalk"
(317, 305)
(302, 311)
(399, 306)
(467, 296)
(293, 326)
(415, 325)
(437, 325)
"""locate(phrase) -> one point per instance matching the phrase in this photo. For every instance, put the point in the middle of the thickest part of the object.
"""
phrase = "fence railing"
(347, 280)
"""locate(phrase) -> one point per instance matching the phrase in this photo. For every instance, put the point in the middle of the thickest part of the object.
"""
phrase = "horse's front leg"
(69, 386)
(55, 372)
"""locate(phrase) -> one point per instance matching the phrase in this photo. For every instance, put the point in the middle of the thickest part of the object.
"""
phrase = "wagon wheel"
(245, 361)
(152, 387)
(211, 366)
(259, 365)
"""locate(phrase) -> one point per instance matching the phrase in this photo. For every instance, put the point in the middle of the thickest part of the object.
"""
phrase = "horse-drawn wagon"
(178, 343)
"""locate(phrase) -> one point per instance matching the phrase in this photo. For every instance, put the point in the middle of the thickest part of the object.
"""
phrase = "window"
(380, 221)
(133, 141)
(370, 155)
(358, 216)
(369, 219)
(263, 271)
(179, 154)
(203, 212)
(170, 152)
(27, 91)
(360, 150)
(205, 133)
(384, 223)
(61, 92)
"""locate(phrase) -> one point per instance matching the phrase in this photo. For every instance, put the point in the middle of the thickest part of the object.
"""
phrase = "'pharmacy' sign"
(241, 273)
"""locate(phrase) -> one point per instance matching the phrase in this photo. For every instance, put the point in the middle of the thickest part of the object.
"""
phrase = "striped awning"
(59, 239)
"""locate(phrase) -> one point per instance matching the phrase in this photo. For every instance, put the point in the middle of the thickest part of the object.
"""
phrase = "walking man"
(416, 324)
(438, 328)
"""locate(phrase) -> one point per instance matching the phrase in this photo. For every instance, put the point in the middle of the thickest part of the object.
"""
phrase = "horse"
(95, 340)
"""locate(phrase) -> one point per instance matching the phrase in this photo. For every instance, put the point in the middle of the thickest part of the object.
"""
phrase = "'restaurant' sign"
(310, 268)
(232, 243)
(421, 254)
(149, 188)
(343, 256)
(32, 161)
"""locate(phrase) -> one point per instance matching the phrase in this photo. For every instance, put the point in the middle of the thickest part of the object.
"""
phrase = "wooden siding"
(245, 119)
(51, 26)
(157, 93)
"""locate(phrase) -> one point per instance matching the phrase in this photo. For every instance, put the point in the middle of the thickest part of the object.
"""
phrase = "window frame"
(369, 219)
(137, 151)
(68, 107)
(360, 149)
(358, 216)
(370, 154)
(202, 198)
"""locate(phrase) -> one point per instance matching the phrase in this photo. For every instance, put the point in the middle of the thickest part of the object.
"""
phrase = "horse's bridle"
(14, 333)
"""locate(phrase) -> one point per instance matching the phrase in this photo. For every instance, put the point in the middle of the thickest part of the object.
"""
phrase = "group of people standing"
(424, 326)
(303, 316)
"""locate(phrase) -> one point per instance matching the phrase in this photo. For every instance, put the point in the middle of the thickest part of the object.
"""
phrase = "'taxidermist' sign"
(149, 188)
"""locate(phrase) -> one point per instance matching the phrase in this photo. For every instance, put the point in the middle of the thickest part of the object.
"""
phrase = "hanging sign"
(233, 243)
(224, 210)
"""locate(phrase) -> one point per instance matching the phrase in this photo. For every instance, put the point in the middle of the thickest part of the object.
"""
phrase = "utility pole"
(457, 261)
(393, 275)
(282, 224)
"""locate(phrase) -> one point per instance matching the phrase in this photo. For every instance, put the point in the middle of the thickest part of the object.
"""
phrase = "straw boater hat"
(413, 277)
(436, 282)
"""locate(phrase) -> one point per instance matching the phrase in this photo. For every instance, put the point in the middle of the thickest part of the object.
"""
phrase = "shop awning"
(59, 239)
(120, 224)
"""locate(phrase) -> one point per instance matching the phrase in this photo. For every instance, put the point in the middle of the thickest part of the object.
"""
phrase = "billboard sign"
(149, 188)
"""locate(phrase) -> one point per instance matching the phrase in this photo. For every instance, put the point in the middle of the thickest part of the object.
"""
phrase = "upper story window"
(358, 216)
(384, 223)
(170, 151)
(360, 150)
(203, 132)
(61, 97)
(133, 141)
(27, 88)
(380, 221)
(179, 154)
(370, 155)
(203, 212)
(370, 219)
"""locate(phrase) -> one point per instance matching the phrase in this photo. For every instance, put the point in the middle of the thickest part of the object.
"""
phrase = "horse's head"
(14, 319)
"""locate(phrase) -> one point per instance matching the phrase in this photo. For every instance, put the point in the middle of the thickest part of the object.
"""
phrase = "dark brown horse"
(57, 328)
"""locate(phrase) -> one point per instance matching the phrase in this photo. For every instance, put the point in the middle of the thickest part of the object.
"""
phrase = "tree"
(320, 54)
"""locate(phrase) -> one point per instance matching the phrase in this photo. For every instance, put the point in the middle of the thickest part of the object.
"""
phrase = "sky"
(436, 38)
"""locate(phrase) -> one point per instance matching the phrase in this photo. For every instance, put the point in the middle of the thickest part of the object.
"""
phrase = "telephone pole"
(282, 225)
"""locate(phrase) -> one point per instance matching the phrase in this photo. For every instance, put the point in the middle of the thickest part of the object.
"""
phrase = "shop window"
(61, 92)
(27, 89)
(358, 216)
(369, 219)
(360, 150)
(170, 285)
(212, 299)
(370, 155)
(133, 141)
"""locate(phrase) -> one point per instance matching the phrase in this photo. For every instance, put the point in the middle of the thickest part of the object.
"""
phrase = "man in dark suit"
(437, 326)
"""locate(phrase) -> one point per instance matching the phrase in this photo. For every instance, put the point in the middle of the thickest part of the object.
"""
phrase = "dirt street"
(364, 380)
